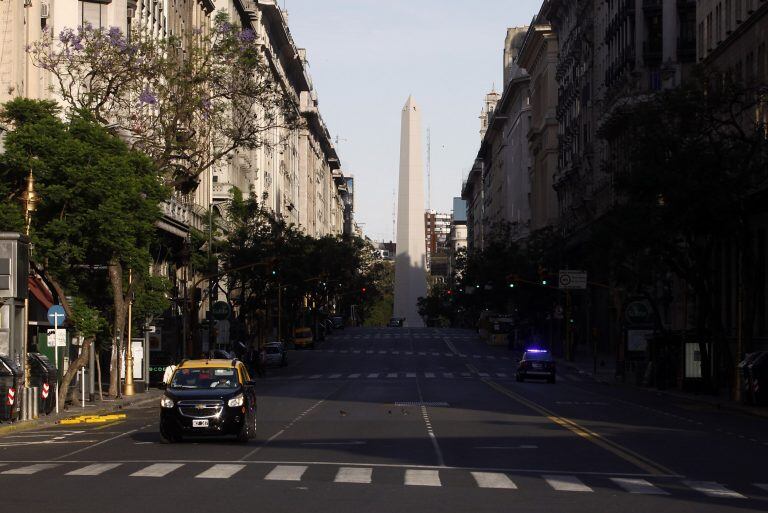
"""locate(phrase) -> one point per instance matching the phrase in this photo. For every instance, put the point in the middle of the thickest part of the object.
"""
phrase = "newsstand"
(11, 383)
(43, 375)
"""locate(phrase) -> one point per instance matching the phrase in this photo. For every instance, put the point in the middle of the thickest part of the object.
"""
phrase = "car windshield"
(537, 356)
(206, 377)
(273, 349)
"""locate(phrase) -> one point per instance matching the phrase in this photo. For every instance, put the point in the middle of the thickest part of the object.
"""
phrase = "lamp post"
(129, 389)
(30, 199)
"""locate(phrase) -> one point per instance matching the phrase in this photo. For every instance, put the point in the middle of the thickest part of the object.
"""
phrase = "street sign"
(57, 338)
(221, 310)
(572, 280)
(56, 315)
(639, 313)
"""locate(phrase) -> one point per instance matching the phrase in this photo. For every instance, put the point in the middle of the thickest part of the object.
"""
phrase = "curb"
(52, 421)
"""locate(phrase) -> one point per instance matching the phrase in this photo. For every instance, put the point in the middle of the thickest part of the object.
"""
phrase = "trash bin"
(11, 383)
(43, 375)
(758, 372)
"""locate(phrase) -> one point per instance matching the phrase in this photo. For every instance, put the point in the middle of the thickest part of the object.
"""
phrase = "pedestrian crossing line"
(410, 374)
(356, 351)
(298, 376)
(353, 376)
(369, 352)
(566, 484)
(93, 470)
(501, 375)
(220, 471)
(762, 486)
(422, 478)
(30, 469)
(639, 486)
(422, 353)
(157, 470)
(334, 376)
(493, 480)
(712, 489)
(286, 473)
(448, 375)
(483, 374)
(360, 475)
(383, 352)
(409, 352)
(316, 376)
(373, 375)
(392, 375)
(429, 375)
(395, 352)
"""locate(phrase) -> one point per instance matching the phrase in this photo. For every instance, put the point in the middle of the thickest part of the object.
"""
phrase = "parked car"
(303, 339)
(395, 322)
(276, 354)
(536, 363)
(338, 322)
(209, 398)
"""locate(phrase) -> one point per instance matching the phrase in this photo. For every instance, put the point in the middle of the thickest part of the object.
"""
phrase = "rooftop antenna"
(429, 169)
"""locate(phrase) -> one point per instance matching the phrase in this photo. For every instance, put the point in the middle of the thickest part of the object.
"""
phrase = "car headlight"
(167, 402)
(236, 401)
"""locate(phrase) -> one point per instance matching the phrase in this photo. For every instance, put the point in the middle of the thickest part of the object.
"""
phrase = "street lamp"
(30, 200)
(129, 388)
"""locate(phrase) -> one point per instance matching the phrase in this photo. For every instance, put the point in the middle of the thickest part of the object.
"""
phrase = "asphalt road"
(385, 420)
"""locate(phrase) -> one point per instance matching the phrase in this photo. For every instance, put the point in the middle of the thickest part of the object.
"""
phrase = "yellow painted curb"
(93, 419)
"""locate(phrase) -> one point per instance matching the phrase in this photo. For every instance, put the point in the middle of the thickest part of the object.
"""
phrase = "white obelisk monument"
(410, 261)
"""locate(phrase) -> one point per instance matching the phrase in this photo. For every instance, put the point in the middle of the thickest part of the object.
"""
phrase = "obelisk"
(410, 260)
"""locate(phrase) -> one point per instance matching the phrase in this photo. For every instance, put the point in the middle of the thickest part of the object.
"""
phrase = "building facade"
(437, 227)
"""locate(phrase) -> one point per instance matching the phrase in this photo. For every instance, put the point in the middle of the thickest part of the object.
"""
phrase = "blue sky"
(367, 56)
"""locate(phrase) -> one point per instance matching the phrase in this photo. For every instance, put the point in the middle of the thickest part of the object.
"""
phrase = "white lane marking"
(316, 376)
(422, 478)
(395, 352)
(353, 376)
(409, 352)
(392, 375)
(356, 351)
(344, 351)
(369, 352)
(373, 375)
(334, 376)
(30, 469)
(491, 357)
(493, 480)
(483, 374)
(566, 484)
(382, 352)
(354, 475)
(465, 375)
(501, 375)
(429, 374)
(448, 354)
(410, 374)
(712, 489)
(448, 375)
(640, 486)
(221, 471)
(506, 447)
(93, 470)
(762, 486)
(435, 354)
(157, 470)
(286, 473)
(477, 356)
(422, 353)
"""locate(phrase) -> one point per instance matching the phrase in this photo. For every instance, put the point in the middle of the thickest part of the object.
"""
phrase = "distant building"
(457, 236)
(436, 229)
(386, 250)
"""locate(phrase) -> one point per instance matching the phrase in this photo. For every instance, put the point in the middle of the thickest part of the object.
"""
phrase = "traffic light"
(363, 290)
(512, 285)
(449, 292)
(543, 282)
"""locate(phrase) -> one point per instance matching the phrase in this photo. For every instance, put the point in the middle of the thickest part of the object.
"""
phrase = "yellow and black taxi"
(209, 398)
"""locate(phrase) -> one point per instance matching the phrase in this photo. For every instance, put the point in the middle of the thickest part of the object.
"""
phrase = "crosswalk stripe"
(566, 484)
(392, 375)
(382, 352)
(395, 352)
(298, 376)
(422, 478)
(221, 471)
(373, 375)
(501, 375)
(409, 352)
(493, 480)
(356, 351)
(429, 374)
(762, 486)
(448, 374)
(640, 486)
(157, 470)
(353, 376)
(316, 376)
(334, 376)
(353, 475)
(435, 354)
(712, 489)
(422, 353)
(369, 352)
(465, 374)
(410, 374)
(93, 470)
(30, 469)
(483, 374)
(286, 473)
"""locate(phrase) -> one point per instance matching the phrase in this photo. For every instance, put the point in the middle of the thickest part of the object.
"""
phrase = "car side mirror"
(250, 383)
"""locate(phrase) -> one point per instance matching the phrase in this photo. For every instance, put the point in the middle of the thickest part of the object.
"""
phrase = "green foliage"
(88, 320)
(151, 298)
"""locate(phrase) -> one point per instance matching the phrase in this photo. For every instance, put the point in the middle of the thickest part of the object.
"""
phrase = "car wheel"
(168, 437)
(245, 431)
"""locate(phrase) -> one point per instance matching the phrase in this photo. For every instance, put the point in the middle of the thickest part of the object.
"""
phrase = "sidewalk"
(95, 408)
(606, 374)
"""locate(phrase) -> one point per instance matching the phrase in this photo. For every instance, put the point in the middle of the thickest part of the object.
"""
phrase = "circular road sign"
(221, 310)
(565, 279)
(56, 315)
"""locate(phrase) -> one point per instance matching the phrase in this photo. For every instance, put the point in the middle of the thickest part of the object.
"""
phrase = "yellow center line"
(622, 452)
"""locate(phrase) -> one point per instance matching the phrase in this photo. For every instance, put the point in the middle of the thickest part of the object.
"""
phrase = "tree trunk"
(116, 280)
(98, 376)
(74, 367)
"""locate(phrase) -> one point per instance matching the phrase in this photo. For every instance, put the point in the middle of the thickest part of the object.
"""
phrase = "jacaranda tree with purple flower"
(187, 101)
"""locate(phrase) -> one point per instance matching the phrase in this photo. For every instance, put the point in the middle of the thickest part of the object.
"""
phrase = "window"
(93, 14)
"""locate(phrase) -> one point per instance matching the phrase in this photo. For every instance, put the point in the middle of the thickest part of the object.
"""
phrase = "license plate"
(537, 366)
(200, 423)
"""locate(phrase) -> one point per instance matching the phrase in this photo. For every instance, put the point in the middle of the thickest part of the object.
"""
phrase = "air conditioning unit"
(45, 10)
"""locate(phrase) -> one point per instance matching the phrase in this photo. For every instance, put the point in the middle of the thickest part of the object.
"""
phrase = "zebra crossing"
(391, 376)
(394, 352)
(367, 475)
(401, 336)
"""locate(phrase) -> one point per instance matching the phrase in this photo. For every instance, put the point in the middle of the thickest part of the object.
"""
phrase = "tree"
(99, 201)
(187, 100)
(695, 159)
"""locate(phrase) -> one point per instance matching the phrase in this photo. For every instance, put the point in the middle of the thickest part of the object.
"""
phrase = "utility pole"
(129, 388)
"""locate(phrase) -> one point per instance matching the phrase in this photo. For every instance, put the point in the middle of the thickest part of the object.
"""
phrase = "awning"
(41, 292)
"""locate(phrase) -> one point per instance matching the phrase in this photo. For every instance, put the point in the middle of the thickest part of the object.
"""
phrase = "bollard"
(35, 402)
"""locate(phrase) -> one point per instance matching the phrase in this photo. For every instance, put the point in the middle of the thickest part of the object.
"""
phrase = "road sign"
(221, 310)
(56, 315)
(572, 280)
(57, 338)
